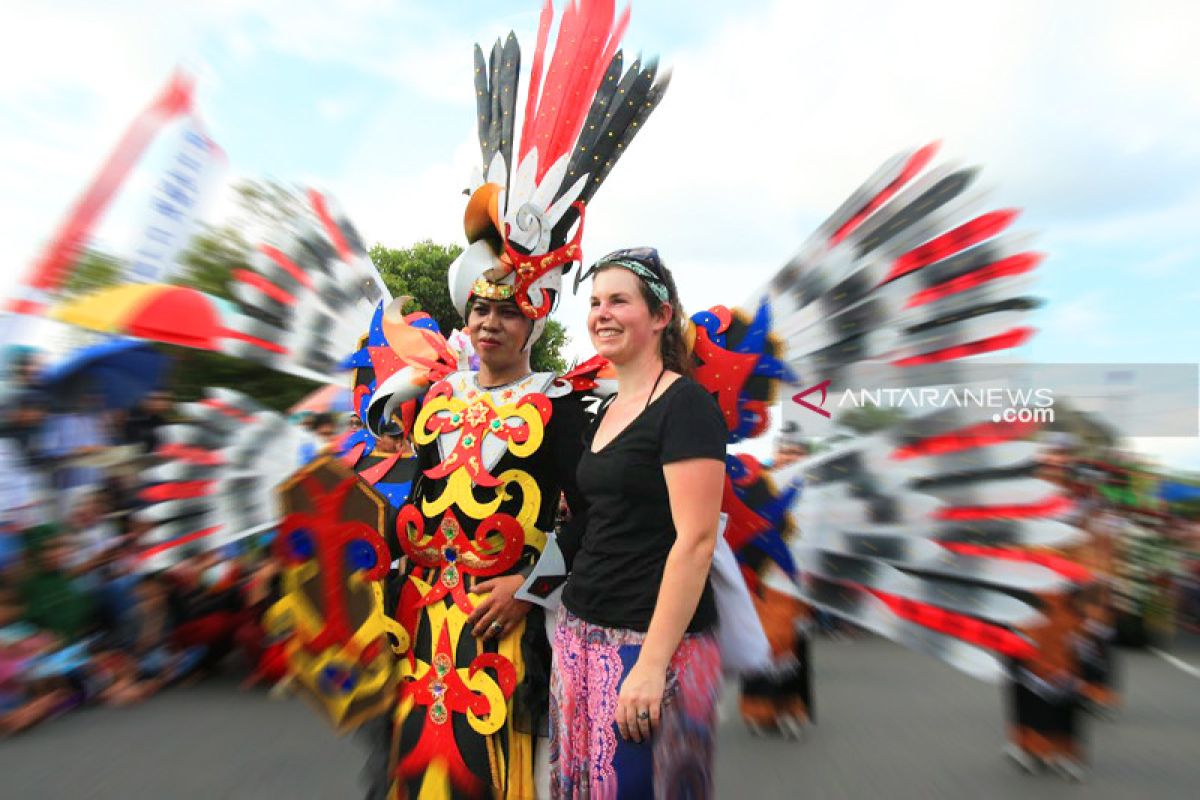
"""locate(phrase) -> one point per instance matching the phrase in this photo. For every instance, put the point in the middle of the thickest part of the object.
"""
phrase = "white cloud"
(1082, 113)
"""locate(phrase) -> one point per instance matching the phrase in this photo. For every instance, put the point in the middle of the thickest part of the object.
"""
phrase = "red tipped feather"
(1053, 506)
(981, 435)
(953, 241)
(1076, 573)
(331, 229)
(958, 626)
(535, 78)
(1013, 338)
(1004, 268)
(915, 164)
(587, 38)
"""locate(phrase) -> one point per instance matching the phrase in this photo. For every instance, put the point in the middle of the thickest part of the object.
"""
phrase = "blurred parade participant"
(780, 700)
(1094, 639)
(1044, 693)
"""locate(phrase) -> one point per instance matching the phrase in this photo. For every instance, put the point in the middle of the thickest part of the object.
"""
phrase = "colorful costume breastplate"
(485, 494)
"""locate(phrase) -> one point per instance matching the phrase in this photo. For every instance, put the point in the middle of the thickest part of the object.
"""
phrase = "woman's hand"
(639, 704)
(499, 611)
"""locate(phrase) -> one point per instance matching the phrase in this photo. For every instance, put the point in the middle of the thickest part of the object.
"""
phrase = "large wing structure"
(935, 531)
(217, 478)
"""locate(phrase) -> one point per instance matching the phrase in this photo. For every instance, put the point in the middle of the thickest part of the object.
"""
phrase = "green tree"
(420, 272)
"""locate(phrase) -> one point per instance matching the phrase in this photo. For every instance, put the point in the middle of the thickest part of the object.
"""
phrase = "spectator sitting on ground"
(51, 592)
(147, 660)
(89, 533)
(24, 700)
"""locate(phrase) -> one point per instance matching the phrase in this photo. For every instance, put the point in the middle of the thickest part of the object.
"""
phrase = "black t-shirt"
(615, 575)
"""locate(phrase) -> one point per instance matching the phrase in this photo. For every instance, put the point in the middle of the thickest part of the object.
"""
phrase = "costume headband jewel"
(492, 291)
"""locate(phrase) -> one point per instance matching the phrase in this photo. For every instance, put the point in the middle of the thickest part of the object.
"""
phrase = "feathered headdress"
(524, 225)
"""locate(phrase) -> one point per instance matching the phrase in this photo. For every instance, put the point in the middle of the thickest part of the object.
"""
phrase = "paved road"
(892, 724)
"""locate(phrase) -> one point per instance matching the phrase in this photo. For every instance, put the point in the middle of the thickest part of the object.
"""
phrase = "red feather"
(535, 78)
(915, 164)
(586, 36)
(968, 234)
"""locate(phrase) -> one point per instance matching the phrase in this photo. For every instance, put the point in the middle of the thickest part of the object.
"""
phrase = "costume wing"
(935, 531)
(217, 479)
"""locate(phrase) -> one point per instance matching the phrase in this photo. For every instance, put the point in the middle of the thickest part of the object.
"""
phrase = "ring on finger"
(643, 715)
(496, 627)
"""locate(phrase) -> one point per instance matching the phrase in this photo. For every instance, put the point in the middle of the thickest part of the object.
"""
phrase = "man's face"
(498, 331)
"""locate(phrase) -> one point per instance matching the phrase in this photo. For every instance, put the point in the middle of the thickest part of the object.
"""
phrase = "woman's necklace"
(482, 388)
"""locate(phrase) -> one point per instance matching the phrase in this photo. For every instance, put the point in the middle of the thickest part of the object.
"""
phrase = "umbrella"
(121, 370)
(171, 314)
(333, 399)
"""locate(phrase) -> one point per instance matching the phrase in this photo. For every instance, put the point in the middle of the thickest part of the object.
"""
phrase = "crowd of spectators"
(82, 620)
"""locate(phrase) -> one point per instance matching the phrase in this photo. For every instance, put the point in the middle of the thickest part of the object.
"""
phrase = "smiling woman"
(637, 666)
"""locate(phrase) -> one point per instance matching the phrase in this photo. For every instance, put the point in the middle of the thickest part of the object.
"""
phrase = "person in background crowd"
(52, 593)
(24, 490)
(142, 639)
(89, 532)
(323, 426)
(25, 700)
(143, 423)
(71, 436)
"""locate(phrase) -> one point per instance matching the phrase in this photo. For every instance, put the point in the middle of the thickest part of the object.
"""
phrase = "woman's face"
(620, 323)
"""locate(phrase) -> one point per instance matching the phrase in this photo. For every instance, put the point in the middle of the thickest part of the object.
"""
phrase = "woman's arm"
(694, 487)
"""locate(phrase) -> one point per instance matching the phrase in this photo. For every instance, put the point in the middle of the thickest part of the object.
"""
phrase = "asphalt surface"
(892, 724)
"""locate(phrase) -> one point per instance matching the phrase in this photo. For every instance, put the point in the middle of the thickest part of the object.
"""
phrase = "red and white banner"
(52, 267)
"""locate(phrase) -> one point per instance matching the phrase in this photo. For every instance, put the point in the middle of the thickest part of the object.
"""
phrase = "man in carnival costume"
(496, 446)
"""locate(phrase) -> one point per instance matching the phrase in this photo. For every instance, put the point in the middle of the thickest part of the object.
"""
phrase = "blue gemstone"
(300, 541)
(336, 679)
(450, 554)
(360, 555)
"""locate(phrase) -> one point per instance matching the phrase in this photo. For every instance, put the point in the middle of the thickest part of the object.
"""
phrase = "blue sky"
(1083, 114)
